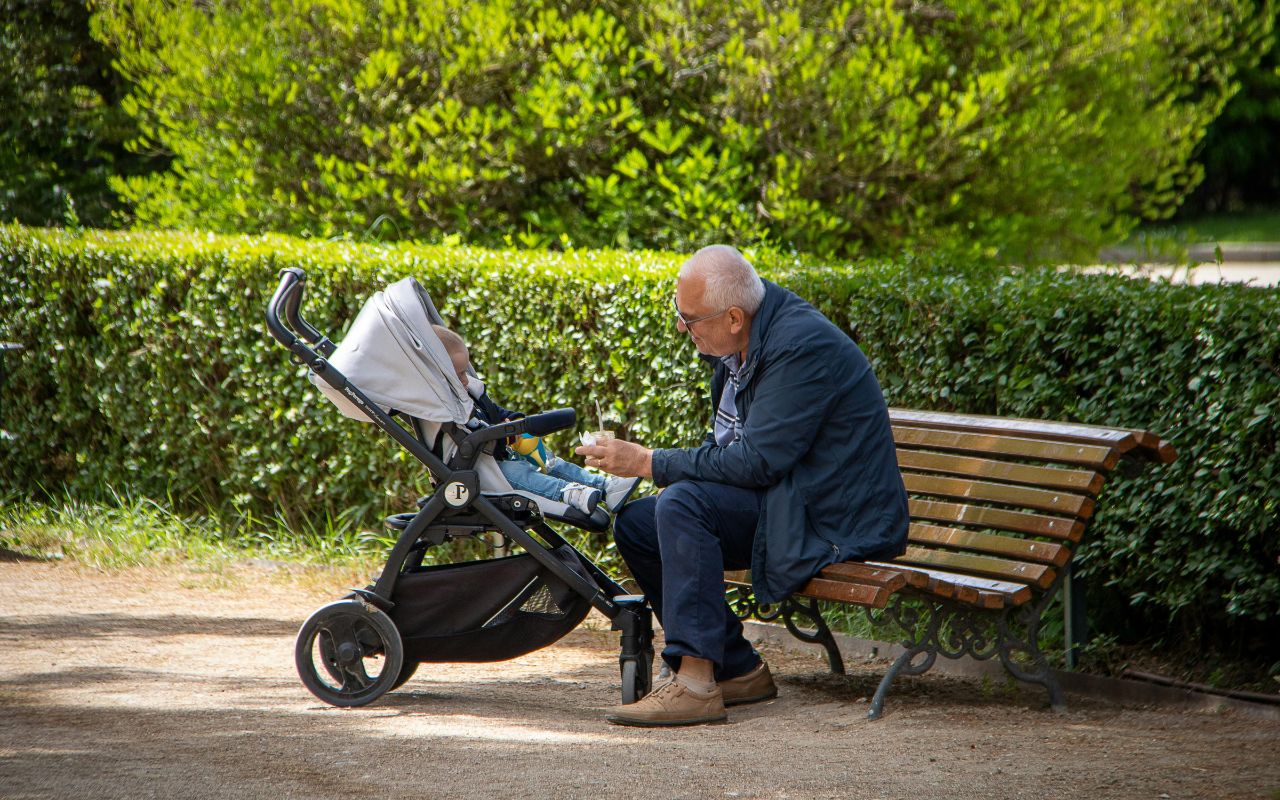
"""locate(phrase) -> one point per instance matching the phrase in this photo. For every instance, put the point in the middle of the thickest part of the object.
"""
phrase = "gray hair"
(730, 280)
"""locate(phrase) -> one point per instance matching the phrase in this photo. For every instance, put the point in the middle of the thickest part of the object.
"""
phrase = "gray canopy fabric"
(394, 357)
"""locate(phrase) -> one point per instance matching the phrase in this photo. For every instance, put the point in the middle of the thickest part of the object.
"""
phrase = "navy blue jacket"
(815, 438)
(492, 413)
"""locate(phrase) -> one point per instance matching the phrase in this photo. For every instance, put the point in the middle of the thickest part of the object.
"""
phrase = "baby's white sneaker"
(584, 498)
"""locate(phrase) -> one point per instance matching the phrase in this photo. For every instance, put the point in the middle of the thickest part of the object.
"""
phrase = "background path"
(1254, 263)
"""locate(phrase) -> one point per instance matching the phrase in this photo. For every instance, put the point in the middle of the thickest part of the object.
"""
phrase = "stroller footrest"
(398, 522)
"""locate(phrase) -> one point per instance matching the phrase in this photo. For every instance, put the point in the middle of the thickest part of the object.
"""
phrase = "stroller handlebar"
(549, 421)
(536, 425)
(288, 297)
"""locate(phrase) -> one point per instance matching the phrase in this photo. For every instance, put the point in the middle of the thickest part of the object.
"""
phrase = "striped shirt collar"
(728, 428)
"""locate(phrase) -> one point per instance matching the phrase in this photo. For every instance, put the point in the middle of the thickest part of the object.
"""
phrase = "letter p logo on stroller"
(393, 371)
(457, 494)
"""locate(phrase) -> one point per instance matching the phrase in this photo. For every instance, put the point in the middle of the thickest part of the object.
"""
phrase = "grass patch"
(1257, 225)
(126, 532)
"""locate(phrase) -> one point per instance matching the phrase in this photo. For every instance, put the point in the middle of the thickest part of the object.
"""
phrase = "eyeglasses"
(688, 323)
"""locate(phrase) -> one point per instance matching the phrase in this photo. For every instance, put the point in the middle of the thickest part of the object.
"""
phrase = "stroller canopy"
(394, 357)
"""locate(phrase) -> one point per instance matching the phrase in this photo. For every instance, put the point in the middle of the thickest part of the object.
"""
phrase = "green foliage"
(1011, 130)
(1239, 149)
(148, 366)
(63, 133)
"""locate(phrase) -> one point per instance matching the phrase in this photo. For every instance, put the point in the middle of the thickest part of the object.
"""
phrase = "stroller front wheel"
(637, 676)
(349, 653)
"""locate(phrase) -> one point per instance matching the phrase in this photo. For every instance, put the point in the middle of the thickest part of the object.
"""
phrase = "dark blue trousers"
(678, 546)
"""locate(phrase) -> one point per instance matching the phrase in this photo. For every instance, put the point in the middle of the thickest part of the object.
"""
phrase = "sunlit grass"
(125, 532)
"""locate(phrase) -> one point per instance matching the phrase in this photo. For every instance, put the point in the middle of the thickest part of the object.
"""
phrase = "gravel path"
(180, 684)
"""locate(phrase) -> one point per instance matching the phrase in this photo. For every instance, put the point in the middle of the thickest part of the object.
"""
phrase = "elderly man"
(798, 473)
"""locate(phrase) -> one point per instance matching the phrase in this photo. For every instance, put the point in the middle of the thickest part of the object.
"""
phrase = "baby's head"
(457, 350)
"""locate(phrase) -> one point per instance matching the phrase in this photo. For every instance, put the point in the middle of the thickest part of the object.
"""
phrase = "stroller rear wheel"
(406, 672)
(349, 654)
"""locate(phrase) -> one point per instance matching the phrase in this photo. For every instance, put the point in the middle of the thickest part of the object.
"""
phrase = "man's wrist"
(655, 464)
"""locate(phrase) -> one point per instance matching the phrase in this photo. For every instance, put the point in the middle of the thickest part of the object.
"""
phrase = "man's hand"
(618, 457)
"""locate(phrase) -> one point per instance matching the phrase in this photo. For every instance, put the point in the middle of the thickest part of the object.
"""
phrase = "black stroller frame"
(346, 635)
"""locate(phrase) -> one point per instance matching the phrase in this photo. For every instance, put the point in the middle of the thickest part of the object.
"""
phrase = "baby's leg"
(569, 471)
(526, 477)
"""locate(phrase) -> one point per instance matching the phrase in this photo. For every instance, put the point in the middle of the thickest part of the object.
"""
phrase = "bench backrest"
(997, 506)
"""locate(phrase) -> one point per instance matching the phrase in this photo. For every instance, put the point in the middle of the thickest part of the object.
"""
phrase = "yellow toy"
(531, 449)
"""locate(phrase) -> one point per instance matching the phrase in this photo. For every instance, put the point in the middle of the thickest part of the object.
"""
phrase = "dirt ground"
(180, 684)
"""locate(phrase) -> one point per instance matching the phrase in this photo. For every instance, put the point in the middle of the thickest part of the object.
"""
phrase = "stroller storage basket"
(488, 610)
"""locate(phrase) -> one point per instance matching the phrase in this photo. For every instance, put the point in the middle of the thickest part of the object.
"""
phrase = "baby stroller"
(392, 370)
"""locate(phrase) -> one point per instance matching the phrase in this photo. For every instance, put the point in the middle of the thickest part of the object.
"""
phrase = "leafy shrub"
(148, 366)
(1013, 130)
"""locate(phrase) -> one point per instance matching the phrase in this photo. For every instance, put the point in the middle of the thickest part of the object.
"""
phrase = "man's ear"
(737, 319)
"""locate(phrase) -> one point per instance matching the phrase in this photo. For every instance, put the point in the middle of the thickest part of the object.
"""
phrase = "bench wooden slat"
(959, 592)
(921, 580)
(1020, 496)
(1095, 456)
(960, 588)
(1014, 594)
(889, 579)
(997, 518)
(1071, 480)
(1125, 440)
(989, 544)
(846, 592)
(991, 600)
(857, 572)
(1038, 575)
(1017, 592)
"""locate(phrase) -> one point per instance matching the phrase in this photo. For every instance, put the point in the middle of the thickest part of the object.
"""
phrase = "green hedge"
(148, 366)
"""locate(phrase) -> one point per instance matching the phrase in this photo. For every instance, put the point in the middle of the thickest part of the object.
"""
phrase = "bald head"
(725, 277)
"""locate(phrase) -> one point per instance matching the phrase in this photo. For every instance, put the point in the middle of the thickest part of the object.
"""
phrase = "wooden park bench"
(998, 508)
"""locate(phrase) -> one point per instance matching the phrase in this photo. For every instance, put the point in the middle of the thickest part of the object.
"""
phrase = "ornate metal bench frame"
(933, 627)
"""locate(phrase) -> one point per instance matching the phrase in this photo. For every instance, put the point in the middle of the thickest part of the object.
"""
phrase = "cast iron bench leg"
(821, 634)
(1040, 672)
(924, 643)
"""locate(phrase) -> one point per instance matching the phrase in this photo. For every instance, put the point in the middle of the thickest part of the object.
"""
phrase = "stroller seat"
(392, 353)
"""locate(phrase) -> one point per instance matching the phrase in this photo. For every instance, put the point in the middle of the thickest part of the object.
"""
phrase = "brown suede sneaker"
(753, 687)
(672, 703)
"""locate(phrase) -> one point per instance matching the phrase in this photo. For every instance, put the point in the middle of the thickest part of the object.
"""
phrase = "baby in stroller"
(562, 480)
